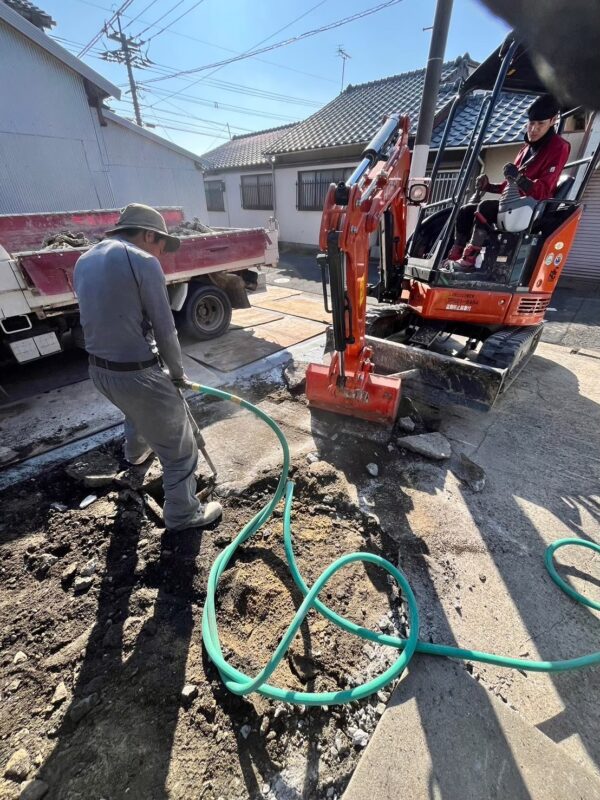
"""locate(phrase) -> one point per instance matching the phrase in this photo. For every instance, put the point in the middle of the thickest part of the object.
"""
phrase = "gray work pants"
(156, 416)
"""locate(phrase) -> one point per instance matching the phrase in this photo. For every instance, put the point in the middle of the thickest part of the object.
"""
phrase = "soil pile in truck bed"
(65, 240)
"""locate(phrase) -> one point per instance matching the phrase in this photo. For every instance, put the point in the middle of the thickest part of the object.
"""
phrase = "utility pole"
(129, 54)
(344, 56)
(431, 86)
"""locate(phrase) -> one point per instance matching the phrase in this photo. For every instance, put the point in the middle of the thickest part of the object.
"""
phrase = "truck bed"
(49, 273)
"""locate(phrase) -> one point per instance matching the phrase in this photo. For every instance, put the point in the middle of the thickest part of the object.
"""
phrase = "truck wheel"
(206, 313)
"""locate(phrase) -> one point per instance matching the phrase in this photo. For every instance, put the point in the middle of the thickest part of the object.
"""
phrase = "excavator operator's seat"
(517, 213)
(565, 182)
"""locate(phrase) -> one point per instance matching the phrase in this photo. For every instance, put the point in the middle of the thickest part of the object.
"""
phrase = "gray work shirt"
(123, 303)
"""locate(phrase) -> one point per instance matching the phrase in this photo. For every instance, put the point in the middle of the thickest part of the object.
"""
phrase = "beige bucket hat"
(145, 218)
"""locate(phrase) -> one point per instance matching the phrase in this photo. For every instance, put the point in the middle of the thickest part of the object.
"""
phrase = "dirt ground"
(113, 696)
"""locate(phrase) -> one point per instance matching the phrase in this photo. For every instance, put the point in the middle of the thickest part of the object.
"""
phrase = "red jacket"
(543, 168)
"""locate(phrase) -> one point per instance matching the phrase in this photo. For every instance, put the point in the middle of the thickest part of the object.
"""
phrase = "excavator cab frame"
(507, 69)
(498, 312)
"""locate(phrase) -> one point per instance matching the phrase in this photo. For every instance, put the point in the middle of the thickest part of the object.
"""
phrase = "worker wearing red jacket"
(536, 171)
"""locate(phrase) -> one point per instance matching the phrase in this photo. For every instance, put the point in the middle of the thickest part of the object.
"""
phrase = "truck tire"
(206, 313)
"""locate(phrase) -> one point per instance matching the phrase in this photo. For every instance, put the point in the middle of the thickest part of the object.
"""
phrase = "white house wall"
(234, 215)
(298, 227)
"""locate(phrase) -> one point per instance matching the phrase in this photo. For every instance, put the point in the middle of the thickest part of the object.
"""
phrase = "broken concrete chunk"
(60, 694)
(93, 470)
(88, 500)
(69, 573)
(430, 445)
(360, 738)
(19, 766)
(294, 377)
(33, 790)
(189, 693)
(89, 568)
(406, 424)
(470, 473)
(82, 584)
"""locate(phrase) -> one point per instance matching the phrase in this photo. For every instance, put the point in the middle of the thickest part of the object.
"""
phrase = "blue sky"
(285, 85)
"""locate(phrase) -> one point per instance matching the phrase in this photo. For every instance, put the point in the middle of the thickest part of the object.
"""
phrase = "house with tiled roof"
(286, 172)
(238, 179)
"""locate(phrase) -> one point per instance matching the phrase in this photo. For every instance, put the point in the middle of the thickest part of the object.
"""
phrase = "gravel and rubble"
(106, 608)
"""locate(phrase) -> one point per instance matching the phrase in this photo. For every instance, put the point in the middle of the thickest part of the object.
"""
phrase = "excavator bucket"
(440, 380)
(377, 401)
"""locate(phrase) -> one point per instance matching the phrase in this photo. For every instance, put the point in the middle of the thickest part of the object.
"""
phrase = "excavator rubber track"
(510, 349)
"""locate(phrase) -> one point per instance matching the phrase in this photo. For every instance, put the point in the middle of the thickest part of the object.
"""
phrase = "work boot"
(468, 260)
(141, 458)
(204, 516)
(456, 252)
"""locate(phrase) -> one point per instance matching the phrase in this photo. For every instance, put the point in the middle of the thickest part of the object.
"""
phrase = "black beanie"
(544, 107)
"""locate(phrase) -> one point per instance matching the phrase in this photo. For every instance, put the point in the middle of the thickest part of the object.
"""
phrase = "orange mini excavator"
(452, 337)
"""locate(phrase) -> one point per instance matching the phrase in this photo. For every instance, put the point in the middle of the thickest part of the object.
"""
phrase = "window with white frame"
(257, 191)
(312, 186)
(215, 195)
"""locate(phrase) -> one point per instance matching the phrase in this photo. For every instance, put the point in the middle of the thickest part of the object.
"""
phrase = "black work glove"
(524, 184)
(481, 183)
(511, 172)
(181, 383)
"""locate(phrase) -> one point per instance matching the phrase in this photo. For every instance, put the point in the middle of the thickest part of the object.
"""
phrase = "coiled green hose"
(241, 684)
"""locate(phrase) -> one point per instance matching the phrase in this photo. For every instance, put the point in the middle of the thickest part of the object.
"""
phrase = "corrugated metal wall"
(49, 153)
(584, 259)
(55, 156)
(145, 172)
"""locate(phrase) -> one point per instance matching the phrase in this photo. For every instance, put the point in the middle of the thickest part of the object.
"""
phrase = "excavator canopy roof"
(522, 76)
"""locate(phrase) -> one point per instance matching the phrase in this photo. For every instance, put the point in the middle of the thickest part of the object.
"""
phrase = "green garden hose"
(241, 684)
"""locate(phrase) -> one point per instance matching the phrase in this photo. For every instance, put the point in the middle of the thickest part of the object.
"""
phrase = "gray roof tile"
(244, 151)
(355, 115)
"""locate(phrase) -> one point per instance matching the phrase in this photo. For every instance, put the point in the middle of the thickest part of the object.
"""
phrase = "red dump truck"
(206, 277)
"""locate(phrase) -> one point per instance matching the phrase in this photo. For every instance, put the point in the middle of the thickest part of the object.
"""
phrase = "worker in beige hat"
(126, 319)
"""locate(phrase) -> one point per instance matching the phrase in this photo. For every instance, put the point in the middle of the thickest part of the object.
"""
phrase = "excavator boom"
(351, 214)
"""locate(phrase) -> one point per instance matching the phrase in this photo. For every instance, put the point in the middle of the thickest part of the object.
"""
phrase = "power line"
(250, 92)
(292, 40)
(103, 30)
(143, 11)
(228, 86)
(217, 46)
(262, 41)
(162, 16)
(227, 107)
(166, 28)
(182, 114)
